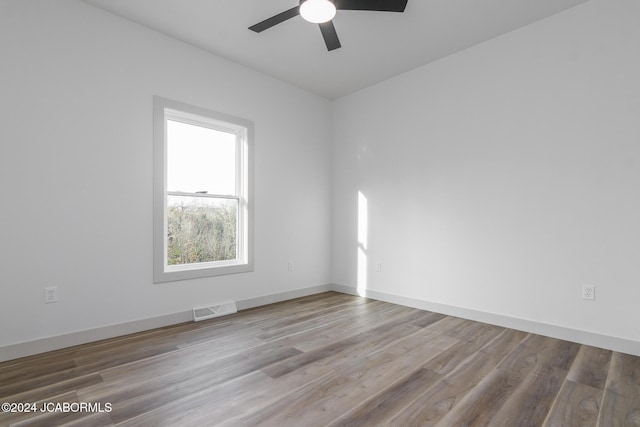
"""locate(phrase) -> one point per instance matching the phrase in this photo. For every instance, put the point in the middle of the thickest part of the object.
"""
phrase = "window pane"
(201, 229)
(200, 159)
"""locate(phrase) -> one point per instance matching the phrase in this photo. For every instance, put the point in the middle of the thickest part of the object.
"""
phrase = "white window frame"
(166, 109)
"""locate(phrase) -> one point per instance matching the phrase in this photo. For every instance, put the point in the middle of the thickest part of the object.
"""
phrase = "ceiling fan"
(321, 12)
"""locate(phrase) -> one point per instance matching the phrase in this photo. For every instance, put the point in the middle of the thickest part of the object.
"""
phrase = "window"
(202, 192)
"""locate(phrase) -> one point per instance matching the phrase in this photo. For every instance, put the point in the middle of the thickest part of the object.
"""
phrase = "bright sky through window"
(200, 159)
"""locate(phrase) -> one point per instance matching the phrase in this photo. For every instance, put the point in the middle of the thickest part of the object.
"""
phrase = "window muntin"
(202, 196)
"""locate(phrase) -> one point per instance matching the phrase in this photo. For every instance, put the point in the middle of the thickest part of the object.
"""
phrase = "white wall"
(76, 88)
(499, 179)
(502, 178)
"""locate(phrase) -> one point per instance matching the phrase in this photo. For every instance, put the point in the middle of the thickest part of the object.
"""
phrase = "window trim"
(164, 109)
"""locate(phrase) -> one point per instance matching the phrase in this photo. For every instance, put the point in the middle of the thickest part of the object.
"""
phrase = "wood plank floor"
(327, 360)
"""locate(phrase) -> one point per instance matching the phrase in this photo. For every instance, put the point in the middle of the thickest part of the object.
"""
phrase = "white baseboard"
(622, 345)
(14, 351)
(283, 296)
(43, 345)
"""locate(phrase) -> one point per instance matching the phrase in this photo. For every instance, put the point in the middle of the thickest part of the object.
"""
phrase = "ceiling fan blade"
(275, 20)
(330, 36)
(375, 5)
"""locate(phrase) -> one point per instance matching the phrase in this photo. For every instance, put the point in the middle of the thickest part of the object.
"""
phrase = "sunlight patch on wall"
(363, 234)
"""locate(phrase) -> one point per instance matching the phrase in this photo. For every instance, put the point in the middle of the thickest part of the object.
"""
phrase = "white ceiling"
(375, 45)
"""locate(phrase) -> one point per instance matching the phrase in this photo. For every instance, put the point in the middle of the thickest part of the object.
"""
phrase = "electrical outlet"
(588, 292)
(50, 294)
(379, 267)
(290, 266)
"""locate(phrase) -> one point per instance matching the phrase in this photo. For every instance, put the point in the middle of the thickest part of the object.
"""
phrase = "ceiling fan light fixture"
(317, 11)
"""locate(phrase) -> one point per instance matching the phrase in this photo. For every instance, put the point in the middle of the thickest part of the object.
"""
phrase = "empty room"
(320, 213)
